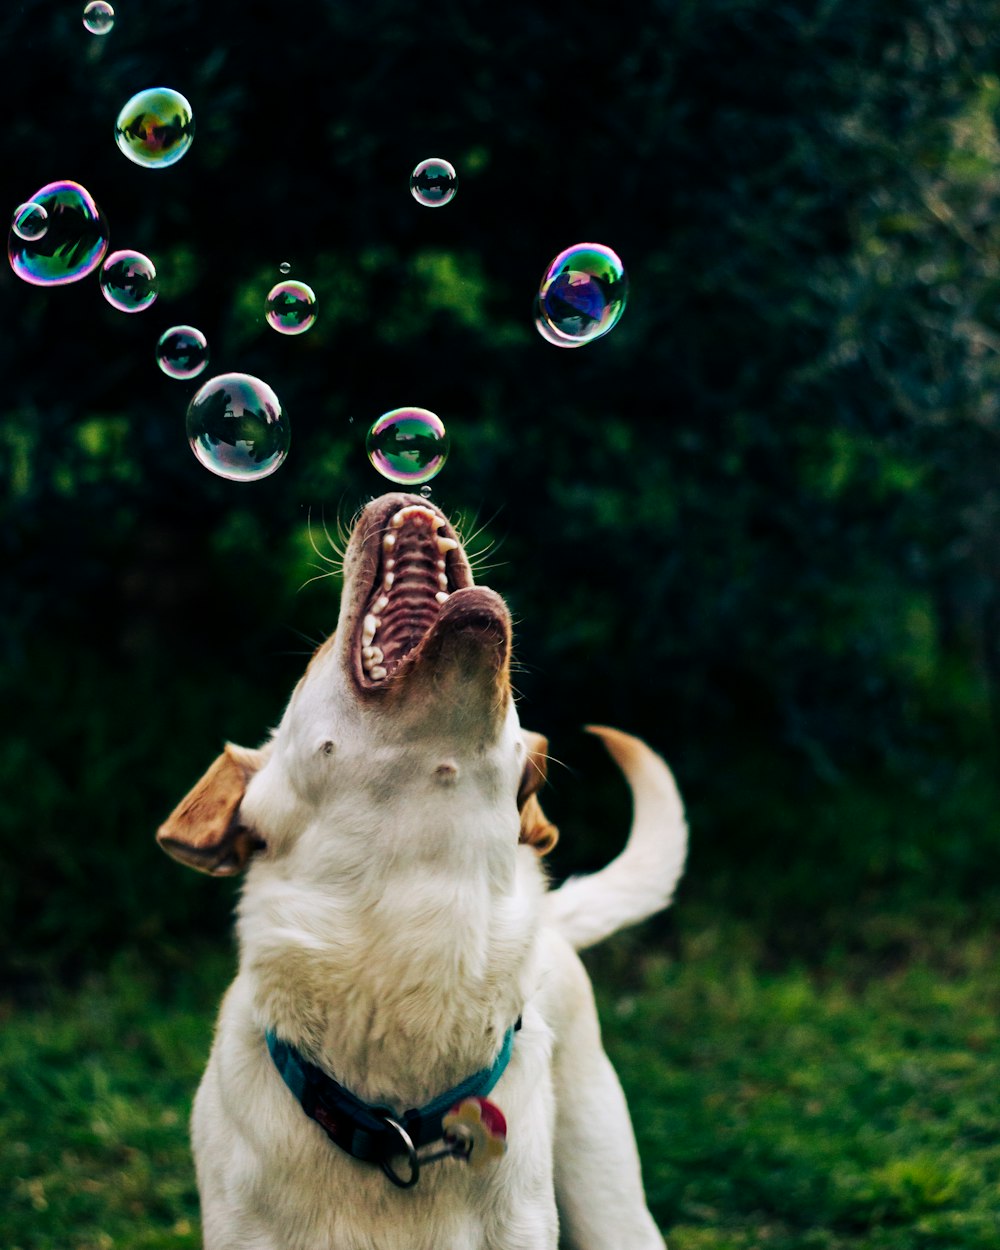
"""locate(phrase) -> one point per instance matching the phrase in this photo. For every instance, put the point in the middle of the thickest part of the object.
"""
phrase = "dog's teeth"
(446, 544)
(369, 629)
(387, 580)
(396, 522)
(372, 655)
(441, 566)
(377, 672)
(390, 540)
(443, 581)
(390, 563)
(380, 605)
(441, 596)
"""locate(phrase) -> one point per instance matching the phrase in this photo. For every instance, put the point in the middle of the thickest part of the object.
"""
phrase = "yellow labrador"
(409, 1057)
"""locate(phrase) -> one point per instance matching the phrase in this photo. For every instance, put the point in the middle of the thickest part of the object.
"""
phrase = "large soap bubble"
(408, 445)
(71, 246)
(583, 293)
(155, 128)
(236, 427)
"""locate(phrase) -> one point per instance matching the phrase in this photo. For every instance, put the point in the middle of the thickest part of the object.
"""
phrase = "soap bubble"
(434, 182)
(408, 445)
(583, 292)
(182, 352)
(236, 427)
(284, 267)
(73, 244)
(155, 128)
(98, 17)
(128, 280)
(30, 221)
(291, 307)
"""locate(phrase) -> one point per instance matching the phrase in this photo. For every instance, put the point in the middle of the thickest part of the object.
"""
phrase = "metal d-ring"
(403, 1182)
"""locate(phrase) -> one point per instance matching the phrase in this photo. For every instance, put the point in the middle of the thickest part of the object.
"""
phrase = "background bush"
(757, 523)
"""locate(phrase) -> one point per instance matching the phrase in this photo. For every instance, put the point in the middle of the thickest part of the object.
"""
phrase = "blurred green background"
(757, 523)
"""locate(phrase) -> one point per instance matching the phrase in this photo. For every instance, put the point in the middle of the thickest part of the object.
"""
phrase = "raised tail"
(642, 879)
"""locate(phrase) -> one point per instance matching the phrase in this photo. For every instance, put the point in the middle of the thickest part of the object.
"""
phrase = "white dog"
(409, 1057)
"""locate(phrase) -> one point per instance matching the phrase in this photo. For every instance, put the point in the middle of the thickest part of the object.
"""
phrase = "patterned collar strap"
(365, 1131)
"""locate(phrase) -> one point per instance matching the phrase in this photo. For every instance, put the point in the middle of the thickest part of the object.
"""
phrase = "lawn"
(845, 1105)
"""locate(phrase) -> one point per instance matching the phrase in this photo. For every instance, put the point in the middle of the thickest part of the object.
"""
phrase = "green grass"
(846, 1105)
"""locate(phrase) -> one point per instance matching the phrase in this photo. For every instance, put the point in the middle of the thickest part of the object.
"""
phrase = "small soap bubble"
(128, 280)
(73, 243)
(236, 427)
(291, 307)
(434, 182)
(408, 445)
(583, 292)
(30, 221)
(425, 491)
(155, 128)
(182, 352)
(98, 17)
(284, 267)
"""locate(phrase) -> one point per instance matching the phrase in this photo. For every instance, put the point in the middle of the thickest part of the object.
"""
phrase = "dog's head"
(403, 719)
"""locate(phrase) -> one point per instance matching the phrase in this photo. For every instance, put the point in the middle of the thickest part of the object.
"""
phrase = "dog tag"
(481, 1124)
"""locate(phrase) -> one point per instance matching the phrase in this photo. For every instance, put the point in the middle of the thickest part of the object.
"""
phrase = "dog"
(409, 1057)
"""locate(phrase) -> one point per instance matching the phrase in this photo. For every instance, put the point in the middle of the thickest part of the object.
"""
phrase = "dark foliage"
(757, 523)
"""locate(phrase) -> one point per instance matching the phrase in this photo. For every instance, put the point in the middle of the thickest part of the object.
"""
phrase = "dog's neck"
(401, 984)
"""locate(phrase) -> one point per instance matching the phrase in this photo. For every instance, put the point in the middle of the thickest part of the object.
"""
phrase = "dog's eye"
(326, 748)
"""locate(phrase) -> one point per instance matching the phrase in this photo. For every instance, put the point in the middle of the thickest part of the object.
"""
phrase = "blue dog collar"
(374, 1133)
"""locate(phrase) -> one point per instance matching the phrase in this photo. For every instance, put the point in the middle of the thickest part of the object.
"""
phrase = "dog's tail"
(641, 881)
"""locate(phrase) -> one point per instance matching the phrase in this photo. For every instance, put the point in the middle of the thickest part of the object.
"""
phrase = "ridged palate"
(407, 599)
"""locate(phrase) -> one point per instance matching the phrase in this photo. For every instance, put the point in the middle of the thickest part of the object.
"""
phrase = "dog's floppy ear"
(204, 829)
(536, 829)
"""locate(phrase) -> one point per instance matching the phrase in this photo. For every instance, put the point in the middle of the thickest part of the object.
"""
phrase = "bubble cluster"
(155, 128)
(182, 352)
(73, 243)
(291, 307)
(434, 182)
(582, 294)
(408, 445)
(98, 17)
(30, 221)
(236, 427)
(128, 280)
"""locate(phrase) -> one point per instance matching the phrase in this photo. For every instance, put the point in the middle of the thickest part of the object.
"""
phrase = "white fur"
(393, 929)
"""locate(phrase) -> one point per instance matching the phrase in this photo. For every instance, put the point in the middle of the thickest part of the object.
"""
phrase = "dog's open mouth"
(416, 592)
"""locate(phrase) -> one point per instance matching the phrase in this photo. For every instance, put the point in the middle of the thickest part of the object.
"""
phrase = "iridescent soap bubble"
(291, 307)
(73, 244)
(236, 427)
(155, 128)
(182, 352)
(583, 292)
(284, 267)
(434, 182)
(98, 17)
(128, 280)
(408, 445)
(29, 221)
